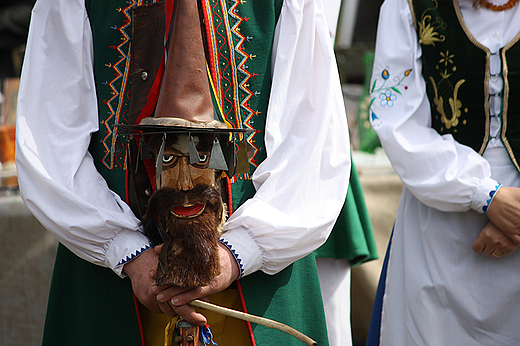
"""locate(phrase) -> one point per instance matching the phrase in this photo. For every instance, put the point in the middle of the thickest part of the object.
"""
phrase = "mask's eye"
(203, 163)
(168, 159)
(203, 158)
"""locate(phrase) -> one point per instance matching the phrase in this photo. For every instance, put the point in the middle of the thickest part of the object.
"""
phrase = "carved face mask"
(183, 127)
(188, 211)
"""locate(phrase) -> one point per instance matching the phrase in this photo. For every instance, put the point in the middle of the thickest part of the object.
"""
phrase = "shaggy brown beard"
(190, 255)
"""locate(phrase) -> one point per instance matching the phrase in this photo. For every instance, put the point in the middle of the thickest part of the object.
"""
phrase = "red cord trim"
(244, 309)
(127, 196)
(139, 321)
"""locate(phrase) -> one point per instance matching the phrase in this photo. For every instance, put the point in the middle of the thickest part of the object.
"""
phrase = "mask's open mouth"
(188, 211)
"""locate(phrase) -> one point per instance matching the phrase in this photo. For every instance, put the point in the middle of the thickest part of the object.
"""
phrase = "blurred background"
(27, 250)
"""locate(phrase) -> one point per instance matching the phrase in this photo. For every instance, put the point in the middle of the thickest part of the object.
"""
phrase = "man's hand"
(504, 212)
(141, 271)
(179, 298)
(493, 242)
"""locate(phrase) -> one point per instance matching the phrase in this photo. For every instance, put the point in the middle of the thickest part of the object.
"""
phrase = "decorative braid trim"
(237, 256)
(134, 255)
(491, 195)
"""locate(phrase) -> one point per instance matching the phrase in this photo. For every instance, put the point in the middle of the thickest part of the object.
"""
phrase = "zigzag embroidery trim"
(237, 256)
(242, 67)
(228, 64)
(115, 102)
(491, 195)
(134, 255)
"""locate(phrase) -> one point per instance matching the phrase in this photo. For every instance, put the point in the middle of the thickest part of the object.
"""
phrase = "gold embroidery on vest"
(455, 104)
(445, 65)
(428, 27)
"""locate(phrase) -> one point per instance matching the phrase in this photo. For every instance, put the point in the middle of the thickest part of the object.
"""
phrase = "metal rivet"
(190, 338)
(144, 75)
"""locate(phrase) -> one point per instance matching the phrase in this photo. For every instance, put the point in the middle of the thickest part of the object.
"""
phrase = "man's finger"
(190, 315)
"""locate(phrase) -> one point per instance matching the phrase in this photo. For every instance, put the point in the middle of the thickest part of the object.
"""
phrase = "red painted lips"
(188, 211)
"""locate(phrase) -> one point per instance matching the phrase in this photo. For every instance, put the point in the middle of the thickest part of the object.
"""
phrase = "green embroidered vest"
(90, 305)
(456, 72)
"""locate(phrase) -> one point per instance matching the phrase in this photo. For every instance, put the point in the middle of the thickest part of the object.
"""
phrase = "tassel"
(170, 331)
(206, 337)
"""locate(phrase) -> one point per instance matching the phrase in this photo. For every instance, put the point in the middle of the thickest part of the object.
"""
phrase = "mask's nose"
(184, 182)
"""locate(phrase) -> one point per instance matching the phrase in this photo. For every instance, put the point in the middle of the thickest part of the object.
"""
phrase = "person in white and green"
(276, 73)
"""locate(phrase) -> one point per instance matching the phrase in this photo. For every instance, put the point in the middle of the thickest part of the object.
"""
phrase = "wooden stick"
(255, 319)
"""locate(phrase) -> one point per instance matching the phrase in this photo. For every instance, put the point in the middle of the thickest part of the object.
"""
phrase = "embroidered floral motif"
(454, 102)
(428, 27)
(446, 58)
(449, 116)
(385, 74)
(491, 195)
(374, 119)
(387, 98)
(388, 94)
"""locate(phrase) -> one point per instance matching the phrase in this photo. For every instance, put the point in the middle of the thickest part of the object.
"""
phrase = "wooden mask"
(187, 210)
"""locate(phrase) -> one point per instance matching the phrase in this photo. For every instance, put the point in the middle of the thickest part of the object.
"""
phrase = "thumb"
(479, 245)
(158, 249)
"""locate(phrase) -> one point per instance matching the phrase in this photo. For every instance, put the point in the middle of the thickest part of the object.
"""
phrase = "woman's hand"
(504, 212)
(493, 242)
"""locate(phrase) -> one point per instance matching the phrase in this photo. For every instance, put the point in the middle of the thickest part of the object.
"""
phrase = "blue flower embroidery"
(375, 119)
(387, 93)
(387, 98)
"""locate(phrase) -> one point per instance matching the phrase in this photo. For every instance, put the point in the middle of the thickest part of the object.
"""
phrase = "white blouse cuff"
(484, 195)
(245, 249)
(126, 246)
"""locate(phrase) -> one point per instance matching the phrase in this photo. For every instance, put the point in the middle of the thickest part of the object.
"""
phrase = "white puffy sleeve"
(57, 112)
(439, 171)
(302, 185)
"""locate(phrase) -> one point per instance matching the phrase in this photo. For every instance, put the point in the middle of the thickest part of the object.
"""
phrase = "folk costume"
(350, 243)
(276, 74)
(445, 108)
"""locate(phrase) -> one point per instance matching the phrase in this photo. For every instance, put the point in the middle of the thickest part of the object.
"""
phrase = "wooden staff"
(255, 319)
